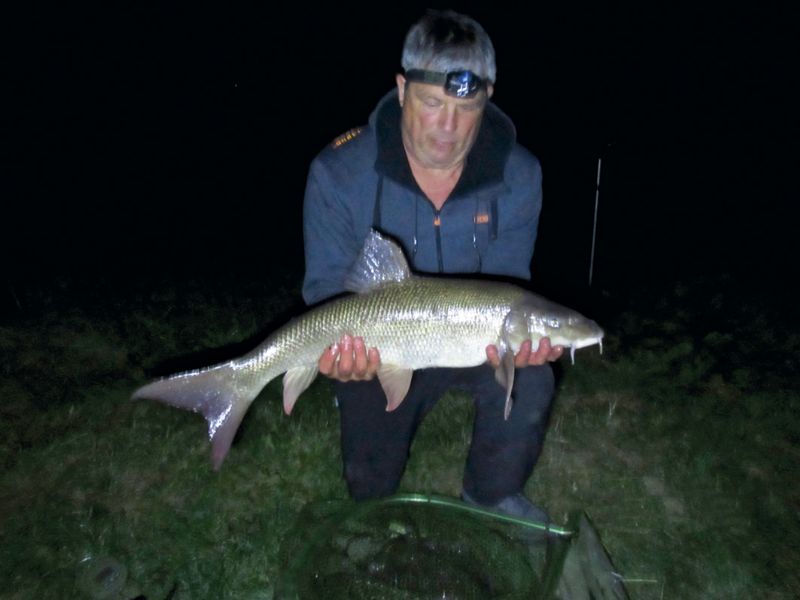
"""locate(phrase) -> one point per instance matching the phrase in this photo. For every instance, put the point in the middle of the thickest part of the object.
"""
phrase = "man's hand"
(349, 360)
(525, 357)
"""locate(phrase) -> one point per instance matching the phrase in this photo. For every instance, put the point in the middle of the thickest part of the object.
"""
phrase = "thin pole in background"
(594, 227)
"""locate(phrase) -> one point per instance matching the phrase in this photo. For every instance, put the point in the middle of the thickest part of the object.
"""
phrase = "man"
(439, 170)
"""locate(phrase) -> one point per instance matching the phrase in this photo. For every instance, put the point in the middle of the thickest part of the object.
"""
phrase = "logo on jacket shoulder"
(346, 137)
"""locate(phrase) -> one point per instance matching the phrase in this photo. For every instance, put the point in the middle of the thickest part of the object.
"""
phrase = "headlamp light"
(460, 84)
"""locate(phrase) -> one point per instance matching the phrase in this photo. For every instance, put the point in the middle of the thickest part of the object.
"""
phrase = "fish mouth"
(583, 343)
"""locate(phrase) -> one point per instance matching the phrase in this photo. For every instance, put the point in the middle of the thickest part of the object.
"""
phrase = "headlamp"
(460, 84)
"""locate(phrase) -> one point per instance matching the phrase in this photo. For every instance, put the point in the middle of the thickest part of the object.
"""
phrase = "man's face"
(438, 130)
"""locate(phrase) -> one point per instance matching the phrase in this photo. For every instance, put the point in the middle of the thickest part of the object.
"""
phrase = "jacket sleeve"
(328, 236)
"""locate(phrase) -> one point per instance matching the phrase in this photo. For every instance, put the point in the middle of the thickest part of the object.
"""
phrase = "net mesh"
(415, 547)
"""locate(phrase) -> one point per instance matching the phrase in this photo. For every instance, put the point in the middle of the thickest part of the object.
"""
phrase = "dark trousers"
(502, 454)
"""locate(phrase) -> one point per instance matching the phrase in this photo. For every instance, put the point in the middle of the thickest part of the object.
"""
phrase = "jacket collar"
(485, 162)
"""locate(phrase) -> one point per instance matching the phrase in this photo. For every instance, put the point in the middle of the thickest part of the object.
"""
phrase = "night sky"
(143, 140)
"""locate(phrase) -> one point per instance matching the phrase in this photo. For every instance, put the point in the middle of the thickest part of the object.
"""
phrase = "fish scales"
(419, 324)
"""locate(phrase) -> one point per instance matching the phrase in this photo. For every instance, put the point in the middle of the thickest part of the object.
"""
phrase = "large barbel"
(416, 322)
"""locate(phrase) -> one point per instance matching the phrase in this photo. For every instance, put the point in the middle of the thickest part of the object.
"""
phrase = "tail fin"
(220, 394)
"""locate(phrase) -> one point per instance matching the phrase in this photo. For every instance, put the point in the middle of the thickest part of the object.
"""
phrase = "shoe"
(516, 505)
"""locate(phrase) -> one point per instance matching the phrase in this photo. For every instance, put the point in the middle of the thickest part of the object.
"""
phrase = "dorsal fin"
(380, 261)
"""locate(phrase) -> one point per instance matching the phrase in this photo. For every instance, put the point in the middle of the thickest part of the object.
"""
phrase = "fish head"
(578, 331)
(564, 327)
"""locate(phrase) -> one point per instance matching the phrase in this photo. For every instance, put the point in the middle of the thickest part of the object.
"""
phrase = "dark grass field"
(680, 442)
(156, 162)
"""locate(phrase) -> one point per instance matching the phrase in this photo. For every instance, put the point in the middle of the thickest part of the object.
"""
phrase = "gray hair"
(448, 41)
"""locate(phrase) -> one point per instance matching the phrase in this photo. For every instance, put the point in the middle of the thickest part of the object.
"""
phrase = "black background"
(142, 139)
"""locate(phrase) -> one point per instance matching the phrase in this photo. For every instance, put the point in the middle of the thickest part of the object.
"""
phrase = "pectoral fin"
(514, 330)
(504, 374)
(395, 382)
(295, 383)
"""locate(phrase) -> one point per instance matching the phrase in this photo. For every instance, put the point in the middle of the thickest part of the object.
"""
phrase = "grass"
(680, 442)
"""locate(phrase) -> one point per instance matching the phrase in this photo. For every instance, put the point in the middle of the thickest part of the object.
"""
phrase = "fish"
(416, 322)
